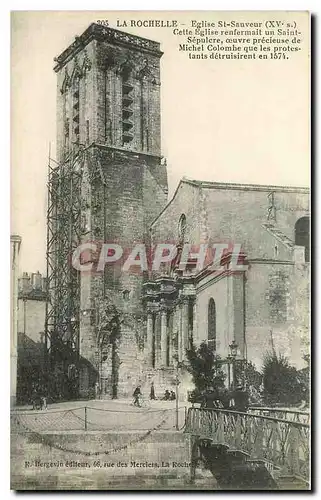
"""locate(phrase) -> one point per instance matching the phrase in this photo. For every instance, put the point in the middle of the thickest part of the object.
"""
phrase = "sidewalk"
(109, 404)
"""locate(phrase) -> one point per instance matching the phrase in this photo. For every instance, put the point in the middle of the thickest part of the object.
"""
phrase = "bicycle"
(141, 402)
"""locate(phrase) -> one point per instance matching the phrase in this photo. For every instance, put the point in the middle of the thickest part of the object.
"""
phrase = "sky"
(224, 121)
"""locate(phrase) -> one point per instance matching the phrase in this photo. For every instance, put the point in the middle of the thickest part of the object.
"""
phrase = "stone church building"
(108, 108)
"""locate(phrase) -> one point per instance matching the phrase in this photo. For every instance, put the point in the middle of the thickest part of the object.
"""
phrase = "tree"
(304, 377)
(248, 375)
(56, 381)
(281, 381)
(246, 370)
(206, 369)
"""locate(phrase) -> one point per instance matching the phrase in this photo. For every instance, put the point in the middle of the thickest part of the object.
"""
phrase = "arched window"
(72, 372)
(211, 325)
(182, 228)
(302, 235)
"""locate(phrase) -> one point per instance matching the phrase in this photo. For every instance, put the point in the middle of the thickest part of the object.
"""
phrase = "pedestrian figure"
(137, 394)
(241, 399)
(152, 391)
(43, 403)
(97, 390)
(167, 395)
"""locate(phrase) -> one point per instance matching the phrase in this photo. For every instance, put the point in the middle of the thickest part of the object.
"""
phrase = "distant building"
(15, 242)
(31, 327)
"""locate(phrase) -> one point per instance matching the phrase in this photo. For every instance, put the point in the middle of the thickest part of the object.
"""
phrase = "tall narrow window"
(211, 328)
(169, 328)
(127, 107)
(87, 132)
(302, 235)
(75, 109)
(66, 123)
(66, 135)
(271, 214)
(190, 323)
(182, 229)
(276, 251)
(154, 341)
(65, 112)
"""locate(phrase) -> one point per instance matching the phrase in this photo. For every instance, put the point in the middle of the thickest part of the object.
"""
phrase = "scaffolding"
(63, 285)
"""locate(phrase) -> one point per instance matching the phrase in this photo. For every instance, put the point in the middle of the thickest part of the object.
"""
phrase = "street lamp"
(178, 365)
(73, 367)
(103, 355)
(233, 349)
(72, 325)
(232, 359)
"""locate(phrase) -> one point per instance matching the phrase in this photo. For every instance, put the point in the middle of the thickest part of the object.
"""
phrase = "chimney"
(37, 281)
(25, 285)
(44, 284)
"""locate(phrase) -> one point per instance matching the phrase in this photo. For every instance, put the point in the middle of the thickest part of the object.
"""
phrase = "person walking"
(97, 390)
(137, 394)
(152, 391)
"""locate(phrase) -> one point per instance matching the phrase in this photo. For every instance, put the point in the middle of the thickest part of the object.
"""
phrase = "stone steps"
(234, 469)
(98, 481)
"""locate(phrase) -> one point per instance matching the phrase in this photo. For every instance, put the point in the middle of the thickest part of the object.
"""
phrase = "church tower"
(108, 122)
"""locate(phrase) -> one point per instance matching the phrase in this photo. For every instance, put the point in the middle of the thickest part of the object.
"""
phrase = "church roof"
(199, 184)
(244, 187)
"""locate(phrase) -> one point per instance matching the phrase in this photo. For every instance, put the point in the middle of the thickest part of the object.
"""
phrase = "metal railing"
(281, 443)
(282, 413)
(87, 418)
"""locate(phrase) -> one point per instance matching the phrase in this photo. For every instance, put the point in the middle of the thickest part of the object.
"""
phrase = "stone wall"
(230, 213)
(274, 313)
(162, 447)
(34, 312)
(277, 311)
(185, 201)
(123, 201)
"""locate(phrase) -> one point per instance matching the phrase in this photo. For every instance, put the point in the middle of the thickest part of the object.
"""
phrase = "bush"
(206, 369)
(281, 381)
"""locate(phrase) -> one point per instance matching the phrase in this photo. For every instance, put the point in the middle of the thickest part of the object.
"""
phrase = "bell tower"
(108, 129)
(109, 92)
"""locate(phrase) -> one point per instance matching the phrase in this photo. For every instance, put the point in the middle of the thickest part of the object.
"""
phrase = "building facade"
(263, 307)
(32, 299)
(129, 328)
(15, 244)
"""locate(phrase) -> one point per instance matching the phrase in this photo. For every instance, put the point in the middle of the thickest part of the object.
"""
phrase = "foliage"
(281, 381)
(108, 331)
(304, 377)
(246, 371)
(108, 322)
(61, 351)
(206, 369)
(247, 375)
(56, 383)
